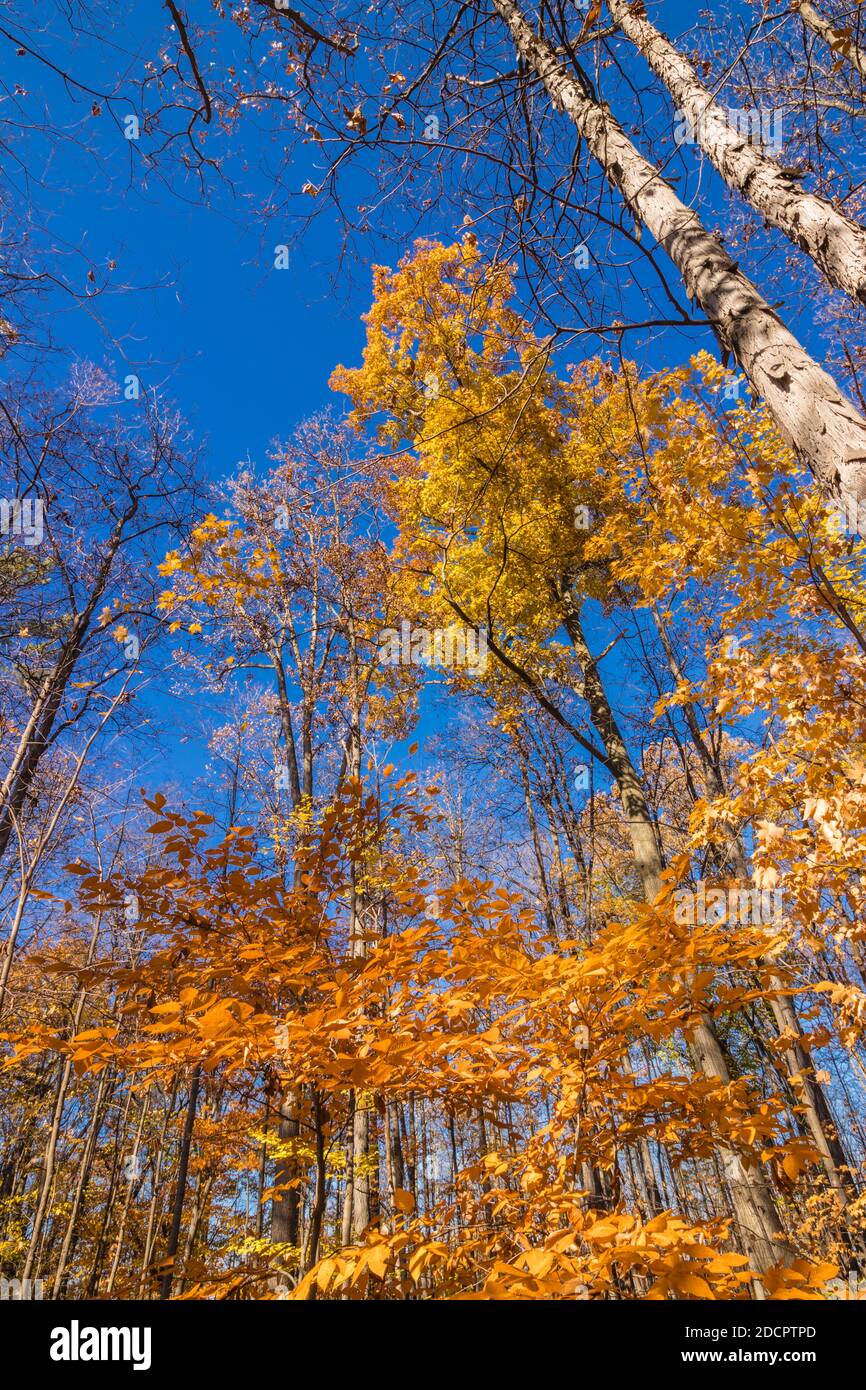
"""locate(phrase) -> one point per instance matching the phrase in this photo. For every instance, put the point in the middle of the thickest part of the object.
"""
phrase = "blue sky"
(244, 349)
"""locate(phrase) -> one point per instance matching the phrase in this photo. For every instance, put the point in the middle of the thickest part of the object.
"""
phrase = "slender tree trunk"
(810, 1095)
(820, 424)
(653, 1195)
(361, 1203)
(317, 1212)
(285, 1211)
(835, 242)
(363, 1139)
(757, 1220)
(638, 817)
(544, 883)
(71, 1232)
(46, 1174)
(410, 1146)
(349, 1185)
(155, 1193)
(263, 1164)
(50, 1155)
(132, 1183)
(34, 739)
(108, 1209)
(809, 1092)
(203, 1189)
(180, 1188)
(398, 1175)
(286, 1207)
(287, 730)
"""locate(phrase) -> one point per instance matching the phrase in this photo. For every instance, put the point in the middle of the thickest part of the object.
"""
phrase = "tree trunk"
(132, 1184)
(360, 1166)
(638, 817)
(50, 1156)
(96, 1265)
(755, 1213)
(810, 1095)
(180, 1189)
(70, 1235)
(156, 1190)
(835, 243)
(35, 737)
(757, 1220)
(808, 1091)
(317, 1213)
(822, 427)
(285, 1210)
(349, 1187)
(839, 42)
(544, 883)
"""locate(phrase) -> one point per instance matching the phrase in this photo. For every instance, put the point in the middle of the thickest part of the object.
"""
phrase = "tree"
(835, 242)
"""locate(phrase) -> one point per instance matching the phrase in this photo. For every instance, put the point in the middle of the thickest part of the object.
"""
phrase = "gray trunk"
(819, 423)
(835, 243)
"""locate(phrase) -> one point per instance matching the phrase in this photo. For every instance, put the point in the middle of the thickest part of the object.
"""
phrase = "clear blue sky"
(244, 349)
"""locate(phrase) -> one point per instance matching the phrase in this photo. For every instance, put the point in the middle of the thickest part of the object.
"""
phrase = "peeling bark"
(838, 40)
(819, 423)
(835, 242)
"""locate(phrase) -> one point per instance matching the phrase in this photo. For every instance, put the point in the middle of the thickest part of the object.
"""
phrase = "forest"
(433, 651)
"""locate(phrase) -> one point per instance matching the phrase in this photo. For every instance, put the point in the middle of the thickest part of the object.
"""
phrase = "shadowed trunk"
(760, 1230)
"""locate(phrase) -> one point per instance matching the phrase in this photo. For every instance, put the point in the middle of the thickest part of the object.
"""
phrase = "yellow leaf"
(378, 1260)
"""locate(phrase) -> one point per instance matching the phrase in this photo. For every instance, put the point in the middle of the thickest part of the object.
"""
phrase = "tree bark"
(839, 42)
(807, 1090)
(317, 1213)
(641, 829)
(285, 1210)
(361, 1193)
(349, 1185)
(70, 1235)
(156, 1190)
(132, 1184)
(35, 737)
(180, 1189)
(819, 423)
(805, 1087)
(550, 916)
(46, 1176)
(835, 243)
